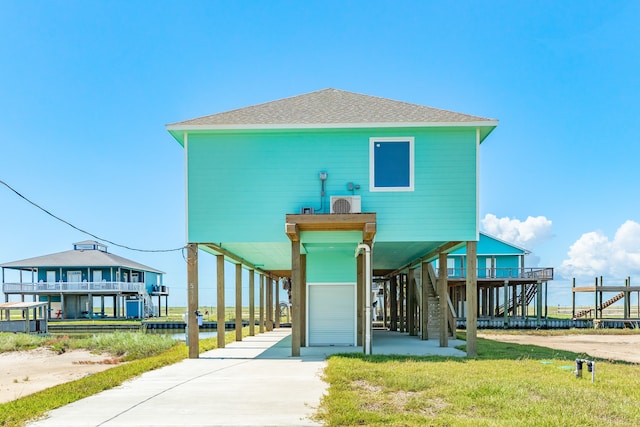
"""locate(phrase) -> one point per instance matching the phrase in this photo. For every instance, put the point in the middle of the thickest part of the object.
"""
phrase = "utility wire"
(84, 231)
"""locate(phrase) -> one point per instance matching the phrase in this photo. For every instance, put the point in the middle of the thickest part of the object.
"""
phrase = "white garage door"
(332, 314)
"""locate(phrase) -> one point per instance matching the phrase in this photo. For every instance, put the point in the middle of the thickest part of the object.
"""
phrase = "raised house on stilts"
(337, 191)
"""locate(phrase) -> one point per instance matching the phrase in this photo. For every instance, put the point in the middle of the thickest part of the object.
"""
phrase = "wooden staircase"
(604, 305)
(433, 305)
(530, 293)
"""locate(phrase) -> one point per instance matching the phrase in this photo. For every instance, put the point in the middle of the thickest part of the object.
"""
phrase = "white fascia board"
(178, 127)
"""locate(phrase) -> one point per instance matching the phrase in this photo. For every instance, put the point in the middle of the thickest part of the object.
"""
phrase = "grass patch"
(507, 384)
(17, 342)
(18, 412)
(131, 345)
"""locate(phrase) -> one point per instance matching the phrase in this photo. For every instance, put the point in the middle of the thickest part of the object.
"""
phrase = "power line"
(84, 231)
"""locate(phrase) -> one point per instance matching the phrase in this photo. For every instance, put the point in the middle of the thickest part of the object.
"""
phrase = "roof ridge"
(331, 106)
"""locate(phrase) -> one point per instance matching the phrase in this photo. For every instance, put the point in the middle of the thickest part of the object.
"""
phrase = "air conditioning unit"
(345, 204)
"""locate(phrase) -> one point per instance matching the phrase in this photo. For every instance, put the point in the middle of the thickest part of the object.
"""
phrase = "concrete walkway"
(254, 382)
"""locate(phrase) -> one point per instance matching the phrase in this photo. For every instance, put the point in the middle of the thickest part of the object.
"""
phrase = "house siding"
(331, 267)
(231, 200)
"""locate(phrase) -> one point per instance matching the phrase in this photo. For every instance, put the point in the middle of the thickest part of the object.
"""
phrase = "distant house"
(501, 273)
(76, 284)
(295, 187)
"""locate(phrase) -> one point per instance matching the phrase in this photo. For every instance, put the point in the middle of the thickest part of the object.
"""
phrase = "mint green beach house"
(336, 191)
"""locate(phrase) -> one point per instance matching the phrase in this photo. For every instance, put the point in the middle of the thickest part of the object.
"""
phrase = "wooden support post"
(539, 302)
(192, 300)
(401, 306)
(277, 303)
(238, 302)
(368, 285)
(442, 294)
(360, 299)
(573, 298)
(296, 322)
(546, 300)
(261, 310)
(472, 299)
(303, 300)
(385, 304)
(424, 309)
(595, 293)
(269, 292)
(627, 300)
(220, 331)
(523, 303)
(411, 303)
(394, 303)
(252, 303)
(506, 303)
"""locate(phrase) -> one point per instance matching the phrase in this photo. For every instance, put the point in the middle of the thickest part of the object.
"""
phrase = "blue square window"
(391, 164)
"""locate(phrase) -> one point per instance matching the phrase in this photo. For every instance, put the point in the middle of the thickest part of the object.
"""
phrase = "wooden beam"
(360, 299)
(231, 256)
(393, 303)
(332, 222)
(238, 302)
(369, 231)
(292, 231)
(277, 302)
(401, 303)
(411, 303)
(269, 292)
(296, 323)
(192, 300)
(252, 303)
(607, 289)
(446, 247)
(443, 292)
(303, 300)
(424, 309)
(261, 323)
(279, 273)
(472, 299)
(220, 331)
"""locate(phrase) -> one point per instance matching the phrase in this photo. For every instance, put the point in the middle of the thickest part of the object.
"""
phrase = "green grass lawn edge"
(506, 384)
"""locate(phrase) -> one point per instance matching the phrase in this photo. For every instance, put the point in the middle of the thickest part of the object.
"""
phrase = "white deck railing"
(46, 287)
(538, 273)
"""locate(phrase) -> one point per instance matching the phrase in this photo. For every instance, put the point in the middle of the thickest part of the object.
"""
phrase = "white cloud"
(525, 233)
(593, 254)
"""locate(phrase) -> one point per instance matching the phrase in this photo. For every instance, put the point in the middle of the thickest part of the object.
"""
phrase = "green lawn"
(506, 385)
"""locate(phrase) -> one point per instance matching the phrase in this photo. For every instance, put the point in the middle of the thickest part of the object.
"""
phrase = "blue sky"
(86, 89)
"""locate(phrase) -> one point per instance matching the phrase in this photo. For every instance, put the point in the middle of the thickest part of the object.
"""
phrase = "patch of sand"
(611, 347)
(26, 372)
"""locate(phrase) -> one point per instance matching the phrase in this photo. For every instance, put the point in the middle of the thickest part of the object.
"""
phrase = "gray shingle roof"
(331, 107)
(79, 258)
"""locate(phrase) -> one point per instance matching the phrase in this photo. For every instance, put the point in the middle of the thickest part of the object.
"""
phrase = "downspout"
(367, 295)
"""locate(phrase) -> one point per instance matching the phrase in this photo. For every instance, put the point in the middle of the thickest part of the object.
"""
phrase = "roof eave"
(175, 128)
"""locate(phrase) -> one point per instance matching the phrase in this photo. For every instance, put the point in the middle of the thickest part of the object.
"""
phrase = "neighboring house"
(76, 283)
(501, 272)
(291, 188)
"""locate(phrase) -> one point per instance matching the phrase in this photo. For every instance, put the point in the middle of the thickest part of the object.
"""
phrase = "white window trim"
(372, 142)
